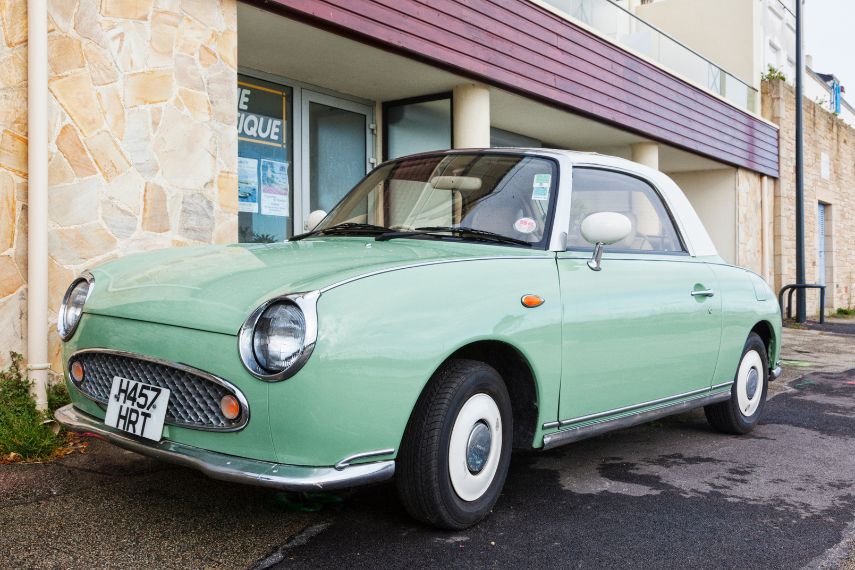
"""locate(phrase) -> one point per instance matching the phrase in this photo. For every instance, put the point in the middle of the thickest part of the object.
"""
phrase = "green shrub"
(57, 397)
(773, 74)
(847, 312)
(23, 432)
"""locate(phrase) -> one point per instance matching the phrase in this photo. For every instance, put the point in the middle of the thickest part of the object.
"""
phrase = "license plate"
(137, 408)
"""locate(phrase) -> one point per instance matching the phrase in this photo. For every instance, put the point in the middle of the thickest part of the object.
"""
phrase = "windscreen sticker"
(525, 225)
(540, 187)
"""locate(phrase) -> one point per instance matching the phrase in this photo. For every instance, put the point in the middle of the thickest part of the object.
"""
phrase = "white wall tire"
(749, 378)
(741, 413)
(471, 476)
(456, 450)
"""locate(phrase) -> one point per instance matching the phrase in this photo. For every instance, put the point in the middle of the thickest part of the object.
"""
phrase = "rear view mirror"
(456, 182)
(602, 229)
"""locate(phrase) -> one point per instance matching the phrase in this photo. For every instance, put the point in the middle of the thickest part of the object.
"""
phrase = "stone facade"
(143, 152)
(825, 135)
(754, 206)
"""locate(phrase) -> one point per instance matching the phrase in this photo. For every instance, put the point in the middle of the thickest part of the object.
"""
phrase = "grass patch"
(24, 435)
(847, 312)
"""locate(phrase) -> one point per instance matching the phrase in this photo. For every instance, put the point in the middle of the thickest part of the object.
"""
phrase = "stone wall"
(824, 134)
(13, 176)
(143, 138)
(754, 222)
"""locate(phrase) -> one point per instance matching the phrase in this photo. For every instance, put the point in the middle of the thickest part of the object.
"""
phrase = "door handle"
(703, 293)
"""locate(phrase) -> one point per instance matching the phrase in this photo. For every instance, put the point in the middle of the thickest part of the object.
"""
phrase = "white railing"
(626, 29)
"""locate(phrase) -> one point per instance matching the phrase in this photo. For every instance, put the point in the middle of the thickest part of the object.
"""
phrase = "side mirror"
(314, 219)
(602, 229)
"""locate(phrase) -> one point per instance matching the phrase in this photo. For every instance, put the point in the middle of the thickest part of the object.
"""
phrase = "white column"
(471, 116)
(37, 200)
(646, 153)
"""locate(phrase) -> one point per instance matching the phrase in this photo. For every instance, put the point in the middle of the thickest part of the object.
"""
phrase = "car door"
(645, 329)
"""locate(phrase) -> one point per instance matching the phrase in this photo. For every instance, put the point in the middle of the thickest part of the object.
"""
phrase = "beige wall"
(713, 195)
(726, 32)
(143, 148)
(824, 134)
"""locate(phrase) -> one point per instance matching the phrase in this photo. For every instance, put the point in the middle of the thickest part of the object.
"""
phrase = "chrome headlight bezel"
(66, 330)
(307, 304)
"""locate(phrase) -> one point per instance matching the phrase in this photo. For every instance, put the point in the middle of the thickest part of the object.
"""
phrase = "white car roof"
(691, 228)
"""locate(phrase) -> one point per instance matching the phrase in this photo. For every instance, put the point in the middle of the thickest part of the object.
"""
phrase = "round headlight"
(72, 307)
(279, 337)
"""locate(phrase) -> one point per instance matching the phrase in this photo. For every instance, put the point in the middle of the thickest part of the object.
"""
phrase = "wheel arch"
(519, 378)
(766, 332)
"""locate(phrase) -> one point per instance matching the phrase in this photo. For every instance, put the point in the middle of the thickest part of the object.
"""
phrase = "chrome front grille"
(194, 399)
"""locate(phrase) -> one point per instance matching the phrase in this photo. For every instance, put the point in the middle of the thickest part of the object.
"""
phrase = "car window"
(596, 190)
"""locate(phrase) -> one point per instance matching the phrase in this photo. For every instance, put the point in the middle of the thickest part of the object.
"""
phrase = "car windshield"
(489, 197)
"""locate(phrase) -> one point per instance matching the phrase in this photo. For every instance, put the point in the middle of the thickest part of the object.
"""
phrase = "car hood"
(214, 288)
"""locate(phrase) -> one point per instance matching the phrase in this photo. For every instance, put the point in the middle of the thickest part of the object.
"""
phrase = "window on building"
(265, 209)
(822, 238)
(596, 190)
(502, 138)
(417, 125)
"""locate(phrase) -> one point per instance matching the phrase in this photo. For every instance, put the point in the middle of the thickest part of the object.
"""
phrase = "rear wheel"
(456, 451)
(742, 411)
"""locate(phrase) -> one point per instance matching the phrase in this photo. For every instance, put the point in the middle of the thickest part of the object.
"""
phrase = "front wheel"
(742, 411)
(456, 451)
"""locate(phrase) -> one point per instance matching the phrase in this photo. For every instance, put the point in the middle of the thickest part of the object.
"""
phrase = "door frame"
(299, 90)
(307, 97)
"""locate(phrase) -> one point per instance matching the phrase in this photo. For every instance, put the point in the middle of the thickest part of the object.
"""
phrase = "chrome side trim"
(548, 256)
(632, 407)
(229, 467)
(244, 405)
(351, 458)
(308, 303)
(575, 434)
(722, 385)
(65, 334)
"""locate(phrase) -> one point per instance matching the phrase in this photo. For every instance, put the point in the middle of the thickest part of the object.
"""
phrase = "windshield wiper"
(459, 231)
(346, 228)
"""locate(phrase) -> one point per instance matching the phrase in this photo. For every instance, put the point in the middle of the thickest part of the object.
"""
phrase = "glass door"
(337, 150)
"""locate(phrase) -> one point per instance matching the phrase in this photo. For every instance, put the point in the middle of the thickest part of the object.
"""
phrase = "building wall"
(13, 177)
(829, 135)
(712, 194)
(525, 48)
(142, 116)
(754, 222)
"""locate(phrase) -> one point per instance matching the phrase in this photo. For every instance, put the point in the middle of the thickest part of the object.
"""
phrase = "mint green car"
(452, 307)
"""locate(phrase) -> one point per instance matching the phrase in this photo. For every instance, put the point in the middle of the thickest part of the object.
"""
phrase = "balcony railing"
(628, 30)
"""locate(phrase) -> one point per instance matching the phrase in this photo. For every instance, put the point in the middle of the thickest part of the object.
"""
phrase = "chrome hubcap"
(751, 383)
(478, 447)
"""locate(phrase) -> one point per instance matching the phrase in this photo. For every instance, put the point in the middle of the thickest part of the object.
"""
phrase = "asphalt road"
(668, 494)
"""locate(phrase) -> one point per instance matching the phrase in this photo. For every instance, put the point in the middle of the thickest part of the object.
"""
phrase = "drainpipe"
(37, 200)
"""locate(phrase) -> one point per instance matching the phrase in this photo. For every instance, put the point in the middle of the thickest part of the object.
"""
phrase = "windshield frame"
(547, 241)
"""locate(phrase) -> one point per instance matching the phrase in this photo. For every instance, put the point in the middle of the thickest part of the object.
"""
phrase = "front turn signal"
(532, 301)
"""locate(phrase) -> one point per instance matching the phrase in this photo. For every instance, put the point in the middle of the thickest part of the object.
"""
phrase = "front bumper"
(232, 468)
